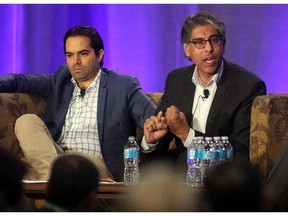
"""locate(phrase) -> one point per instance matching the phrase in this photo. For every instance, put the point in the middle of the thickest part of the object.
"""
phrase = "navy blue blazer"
(230, 110)
(122, 106)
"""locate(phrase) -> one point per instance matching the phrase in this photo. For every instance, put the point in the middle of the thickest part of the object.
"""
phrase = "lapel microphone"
(206, 93)
(82, 92)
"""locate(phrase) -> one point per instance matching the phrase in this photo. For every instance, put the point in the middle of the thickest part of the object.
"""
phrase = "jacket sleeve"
(140, 105)
(39, 84)
(240, 134)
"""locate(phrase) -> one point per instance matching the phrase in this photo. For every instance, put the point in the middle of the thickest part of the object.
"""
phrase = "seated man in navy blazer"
(212, 97)
(91, 110)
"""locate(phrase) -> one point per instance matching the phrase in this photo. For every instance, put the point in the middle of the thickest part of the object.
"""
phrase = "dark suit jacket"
(230, 110)
(122, 106)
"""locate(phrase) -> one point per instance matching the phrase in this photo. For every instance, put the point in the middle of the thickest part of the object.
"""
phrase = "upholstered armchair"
(269, 129)
(269, 124)
(13, 105)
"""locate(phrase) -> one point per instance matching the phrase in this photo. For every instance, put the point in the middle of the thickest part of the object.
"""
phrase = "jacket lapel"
(101, 104)
(188, 94)
(220, 97)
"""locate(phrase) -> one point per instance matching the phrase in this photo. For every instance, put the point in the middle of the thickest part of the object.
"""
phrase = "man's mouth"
(77, 69)
(209, 60)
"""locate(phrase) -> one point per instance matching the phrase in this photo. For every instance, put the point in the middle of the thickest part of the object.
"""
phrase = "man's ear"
(100, 55)
(186, 49)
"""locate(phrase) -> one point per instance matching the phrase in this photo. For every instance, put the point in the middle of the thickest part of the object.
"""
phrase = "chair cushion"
(12, 106)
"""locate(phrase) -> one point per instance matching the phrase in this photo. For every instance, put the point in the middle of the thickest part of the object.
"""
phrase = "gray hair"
(199, 19)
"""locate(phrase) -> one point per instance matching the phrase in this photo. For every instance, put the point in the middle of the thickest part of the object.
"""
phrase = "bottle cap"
(208, 138)
(131, 138)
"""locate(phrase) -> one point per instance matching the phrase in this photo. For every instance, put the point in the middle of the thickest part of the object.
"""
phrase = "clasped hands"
(173, 120)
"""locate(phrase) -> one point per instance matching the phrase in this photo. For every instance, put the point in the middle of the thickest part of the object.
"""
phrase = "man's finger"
(159, 114)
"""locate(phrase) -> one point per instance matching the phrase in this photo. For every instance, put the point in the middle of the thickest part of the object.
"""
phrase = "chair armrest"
(269, 129)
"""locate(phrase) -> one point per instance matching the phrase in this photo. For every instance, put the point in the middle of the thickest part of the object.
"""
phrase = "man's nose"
(76, 60)
(209, 46)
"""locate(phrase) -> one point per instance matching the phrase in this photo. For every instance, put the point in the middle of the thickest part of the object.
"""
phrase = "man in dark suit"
(213, 97)
(91, 110)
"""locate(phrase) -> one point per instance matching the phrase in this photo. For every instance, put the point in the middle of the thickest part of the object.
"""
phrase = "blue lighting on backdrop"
(143, 40)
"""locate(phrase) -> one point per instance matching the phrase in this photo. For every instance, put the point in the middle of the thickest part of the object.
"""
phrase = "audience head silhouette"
(235, 186)
(73, 184)
(160, 190)
(12, 171)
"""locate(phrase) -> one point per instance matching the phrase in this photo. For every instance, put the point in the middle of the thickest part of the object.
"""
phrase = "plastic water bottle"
(228, 147)
(220, 148)
(205, 159)
(213, 152)
(200, 144)
(193, 172)
(131, 161)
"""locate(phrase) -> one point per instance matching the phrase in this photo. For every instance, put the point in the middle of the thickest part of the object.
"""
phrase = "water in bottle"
(220, 148)
(228, 147)
(193, 171)
(204, 149)
(131, 161)
(213, 152)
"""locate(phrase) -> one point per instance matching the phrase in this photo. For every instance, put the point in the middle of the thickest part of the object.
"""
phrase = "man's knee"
(24, 119)
(24, 123)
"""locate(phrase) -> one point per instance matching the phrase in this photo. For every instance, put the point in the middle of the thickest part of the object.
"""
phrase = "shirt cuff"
(189, 138)
(147, 147)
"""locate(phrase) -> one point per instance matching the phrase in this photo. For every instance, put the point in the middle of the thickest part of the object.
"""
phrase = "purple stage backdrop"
(143, 40)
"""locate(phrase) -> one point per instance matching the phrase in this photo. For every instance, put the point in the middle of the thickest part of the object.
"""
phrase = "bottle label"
(192, 153)
(221, 155)
(131, 153)
(229, 154)
(208, 155)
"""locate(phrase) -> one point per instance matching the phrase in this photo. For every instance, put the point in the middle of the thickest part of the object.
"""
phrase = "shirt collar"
(92, 85)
